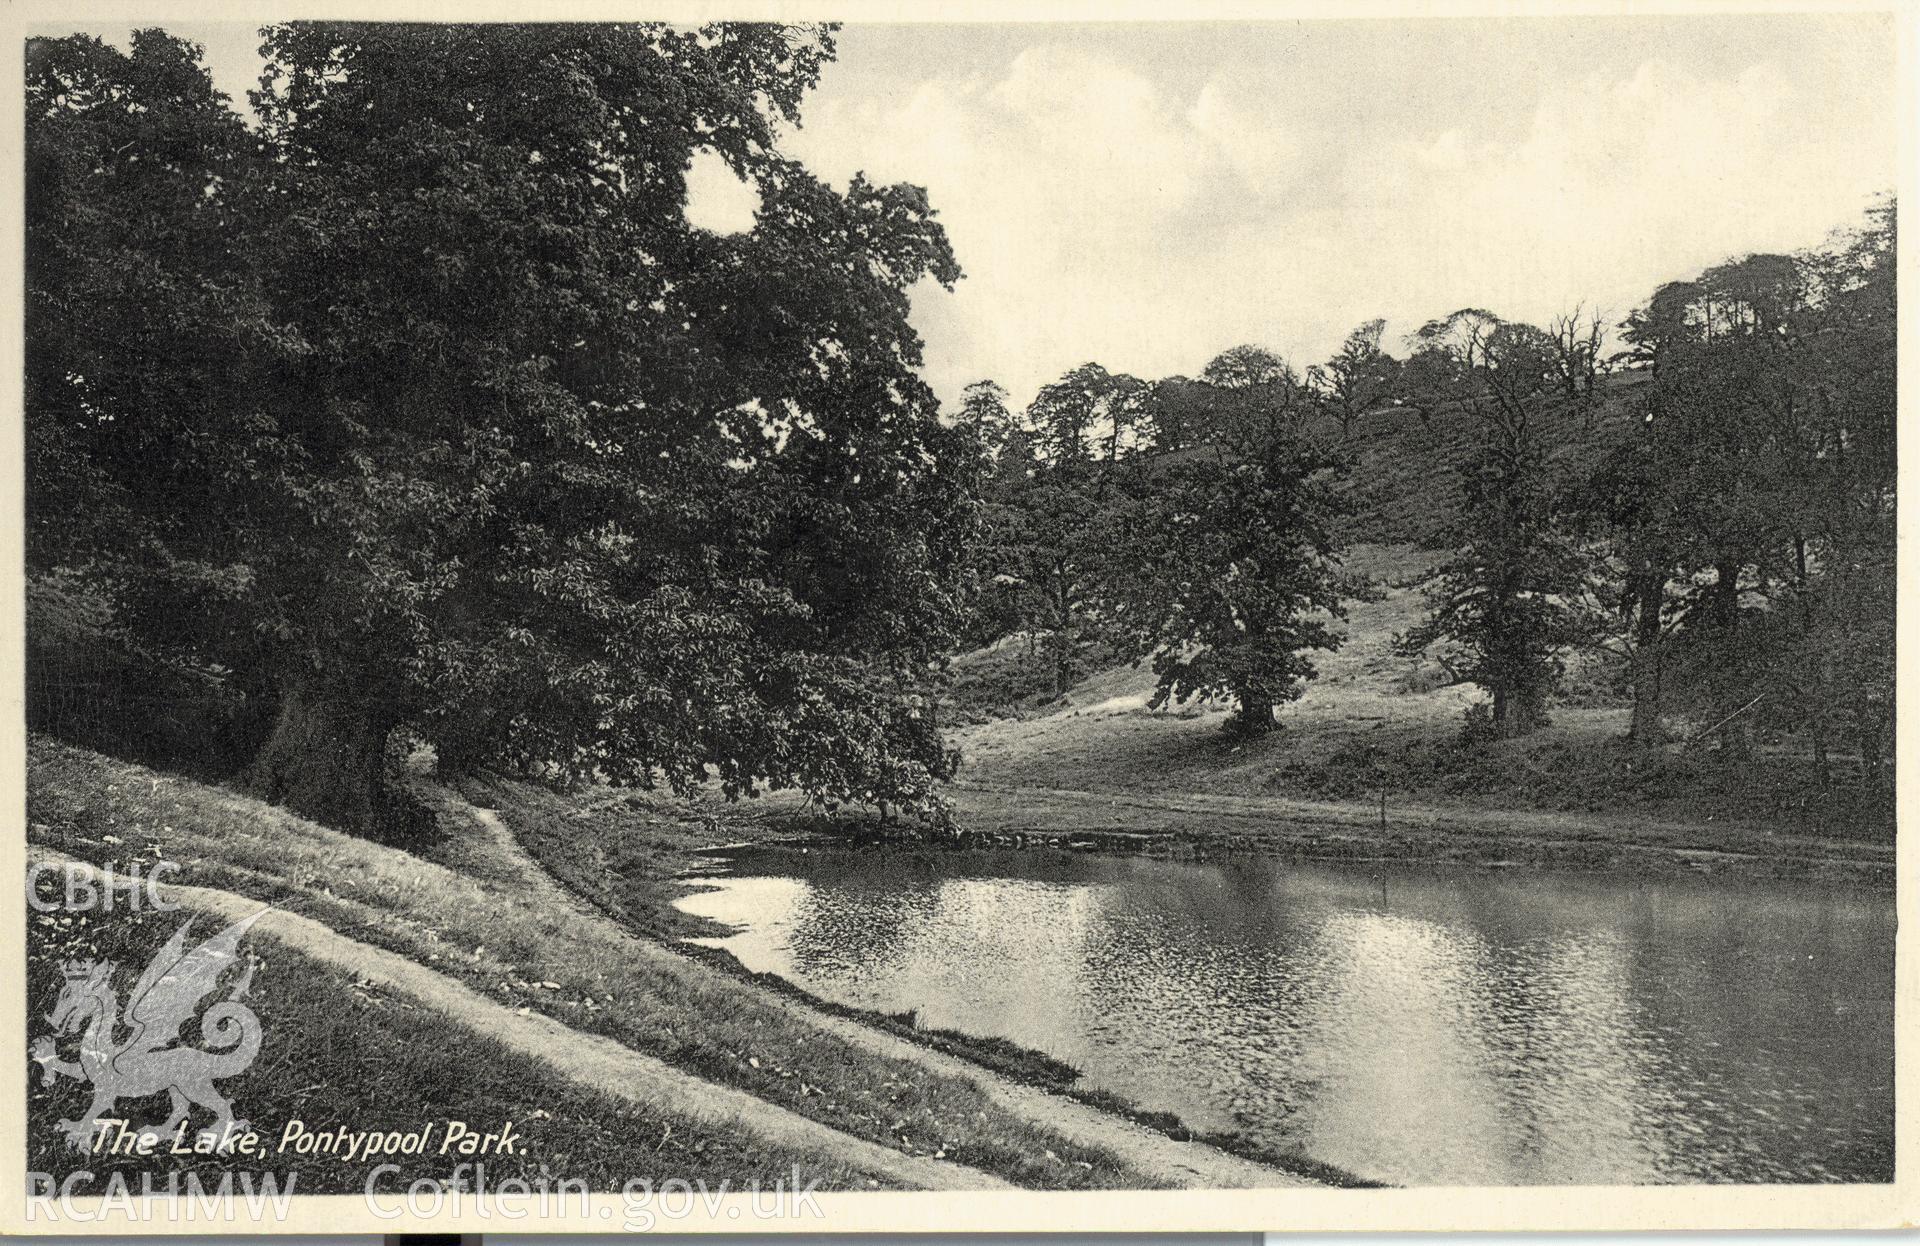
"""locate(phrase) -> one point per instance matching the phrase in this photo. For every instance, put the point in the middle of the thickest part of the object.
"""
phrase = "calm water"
(1419, 1027)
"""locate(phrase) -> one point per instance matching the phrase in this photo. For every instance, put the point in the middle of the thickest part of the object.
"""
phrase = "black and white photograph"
(657, 619)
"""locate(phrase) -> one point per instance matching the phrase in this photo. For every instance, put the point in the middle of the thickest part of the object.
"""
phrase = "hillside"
(1405, 482)
(602, 1036)
(1376, 722)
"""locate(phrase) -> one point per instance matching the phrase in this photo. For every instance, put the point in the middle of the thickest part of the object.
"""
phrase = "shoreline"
(1021, 1079)
(487, 919)
(1202, 827)
(1012, 1073)
(612, 901)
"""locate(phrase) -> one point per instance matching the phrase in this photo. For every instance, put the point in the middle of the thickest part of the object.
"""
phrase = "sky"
(1147, 195)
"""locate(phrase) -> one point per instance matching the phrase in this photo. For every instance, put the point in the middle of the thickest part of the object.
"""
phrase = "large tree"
(149, 344)
(1230, 576)
(1753, 511)
(1502, 606)
(482, 437)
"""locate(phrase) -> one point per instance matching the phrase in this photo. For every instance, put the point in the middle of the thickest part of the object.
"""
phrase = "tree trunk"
(1517, 711)
(1870, 733)
(1520, 717)
(1645, 730)
(1736, 738)
(1253, 717)
(326, 759)
(1726, 594)
(1062, 638)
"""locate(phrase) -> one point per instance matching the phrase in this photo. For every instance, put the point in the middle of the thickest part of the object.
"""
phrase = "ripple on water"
(1422, 1027)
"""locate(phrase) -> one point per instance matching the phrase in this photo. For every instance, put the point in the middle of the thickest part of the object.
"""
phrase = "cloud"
(1115, 198)
(1449, 151)
(1066, 184)
(1148, 194)
(1617, 183)
(1250, 136)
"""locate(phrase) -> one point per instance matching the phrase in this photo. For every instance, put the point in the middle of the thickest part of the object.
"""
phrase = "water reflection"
(1418, 1027)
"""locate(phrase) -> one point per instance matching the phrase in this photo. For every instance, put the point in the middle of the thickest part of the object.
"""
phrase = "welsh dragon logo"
(150, 1059)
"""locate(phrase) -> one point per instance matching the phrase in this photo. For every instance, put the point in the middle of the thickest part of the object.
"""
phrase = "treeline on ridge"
(1711, 505)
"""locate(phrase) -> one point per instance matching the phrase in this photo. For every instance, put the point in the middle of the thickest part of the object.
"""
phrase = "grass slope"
(1376, 722)
(1405, 483)
(527, 947)
(338, 1050)
(632, 854)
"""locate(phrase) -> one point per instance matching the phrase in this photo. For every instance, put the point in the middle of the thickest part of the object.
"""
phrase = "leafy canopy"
(422, 402)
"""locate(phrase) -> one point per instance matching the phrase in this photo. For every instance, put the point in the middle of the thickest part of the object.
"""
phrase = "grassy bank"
(1206, 827)
(633, 854)
(1376, 723)
(525, 946)
(339, 1051)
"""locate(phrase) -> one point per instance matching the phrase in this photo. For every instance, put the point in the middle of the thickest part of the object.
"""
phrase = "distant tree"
(995, 554)
(1503, 605)
(1177, 409)
(1671, 317)
(1065, 557)
(1239, 367)
(1359, 377)
(1577, 339)
(1754, 510)
(1447, 361)
(983, 407)
(1642, 499)
(1625, 507)
(1249, 391)
(1231, 576)
(1505, 598)
(1715, 495)
(1849, 450)
(1090, 415)
(1043, 553)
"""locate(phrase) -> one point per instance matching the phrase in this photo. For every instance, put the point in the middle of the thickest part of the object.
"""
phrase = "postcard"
(797, 618)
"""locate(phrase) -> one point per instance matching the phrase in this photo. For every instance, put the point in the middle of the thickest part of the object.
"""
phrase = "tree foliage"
(426, 406)
(1184, 522)
(1360, 377)
(1230, 576)
(416, 404)
(1046, 546)
(1754, 510)
(1502, 605)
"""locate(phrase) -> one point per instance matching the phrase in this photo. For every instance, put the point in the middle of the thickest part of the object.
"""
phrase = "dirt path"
(1189, 1164)
(490, 851)
(589, 1059)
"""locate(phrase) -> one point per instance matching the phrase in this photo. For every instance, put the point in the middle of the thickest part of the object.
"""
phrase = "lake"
(1417, 1026)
